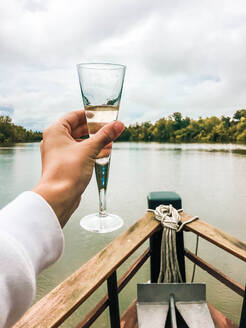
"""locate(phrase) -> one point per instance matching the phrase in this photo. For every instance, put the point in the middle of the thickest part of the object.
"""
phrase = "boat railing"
(53, 309)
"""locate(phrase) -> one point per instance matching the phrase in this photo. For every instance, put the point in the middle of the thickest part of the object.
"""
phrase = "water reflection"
(239, 151)
(7, 150)
(141, 146)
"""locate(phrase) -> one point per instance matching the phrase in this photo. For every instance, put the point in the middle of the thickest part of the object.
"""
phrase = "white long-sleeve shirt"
(30, 240)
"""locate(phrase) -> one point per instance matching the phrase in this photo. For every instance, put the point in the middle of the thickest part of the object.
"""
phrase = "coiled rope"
(171, 222)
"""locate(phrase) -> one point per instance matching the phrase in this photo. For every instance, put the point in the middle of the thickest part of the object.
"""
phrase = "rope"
(171, 222)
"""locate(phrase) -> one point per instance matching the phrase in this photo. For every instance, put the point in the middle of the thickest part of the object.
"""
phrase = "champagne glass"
(101, 88)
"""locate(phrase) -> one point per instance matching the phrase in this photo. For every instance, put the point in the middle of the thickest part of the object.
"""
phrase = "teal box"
(156, 198)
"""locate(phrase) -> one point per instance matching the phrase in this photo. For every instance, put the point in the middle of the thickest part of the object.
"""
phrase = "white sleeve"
(30, 240)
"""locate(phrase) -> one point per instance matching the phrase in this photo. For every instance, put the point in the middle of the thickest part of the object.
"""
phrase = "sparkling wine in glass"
(101, 88)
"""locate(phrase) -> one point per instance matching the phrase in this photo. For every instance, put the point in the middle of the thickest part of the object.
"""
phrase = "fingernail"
(118, 127)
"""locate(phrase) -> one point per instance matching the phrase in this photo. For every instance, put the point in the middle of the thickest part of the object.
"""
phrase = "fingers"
(80, 131)
(106, 151)
(73, 124)
(73, 120)
(107, 134)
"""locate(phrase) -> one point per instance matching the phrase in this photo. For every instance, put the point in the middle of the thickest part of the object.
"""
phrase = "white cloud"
(180, 56)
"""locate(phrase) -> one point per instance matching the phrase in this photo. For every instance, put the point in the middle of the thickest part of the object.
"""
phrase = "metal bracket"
(156, 300)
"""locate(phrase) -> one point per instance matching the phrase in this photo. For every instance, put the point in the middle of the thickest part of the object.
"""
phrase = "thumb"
(107, 134)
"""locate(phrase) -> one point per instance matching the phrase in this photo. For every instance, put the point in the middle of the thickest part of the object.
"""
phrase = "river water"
(210, 178)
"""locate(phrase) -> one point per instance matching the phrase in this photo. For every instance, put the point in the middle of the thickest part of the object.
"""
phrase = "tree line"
(11, 133)
(176, 128)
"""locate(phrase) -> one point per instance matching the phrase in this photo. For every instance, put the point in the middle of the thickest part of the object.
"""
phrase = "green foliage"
(175, 128)
(10, 133)
(239, 114)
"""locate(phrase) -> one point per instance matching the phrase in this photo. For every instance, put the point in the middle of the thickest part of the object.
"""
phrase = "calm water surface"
(211, 180)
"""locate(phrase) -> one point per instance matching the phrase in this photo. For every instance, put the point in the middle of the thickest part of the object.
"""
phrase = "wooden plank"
(104, 302)
(133, 270)
(55, 307)
(237, 288)
(216, 236)
(94, 313)
(129, 318)
(220, 321)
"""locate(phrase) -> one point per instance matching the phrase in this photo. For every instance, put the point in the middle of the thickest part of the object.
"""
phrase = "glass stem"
(102, 202)
(102, 182)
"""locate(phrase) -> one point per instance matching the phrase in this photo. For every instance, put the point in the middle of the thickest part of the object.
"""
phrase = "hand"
(67, 163)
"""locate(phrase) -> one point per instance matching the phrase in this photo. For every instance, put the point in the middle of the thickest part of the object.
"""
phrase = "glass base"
(101, 223)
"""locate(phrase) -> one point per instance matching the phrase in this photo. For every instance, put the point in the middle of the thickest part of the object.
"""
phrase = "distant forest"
(175, 128)
(11, 133)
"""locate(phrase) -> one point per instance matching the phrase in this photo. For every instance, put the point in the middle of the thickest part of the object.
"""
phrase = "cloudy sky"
(187, 56)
